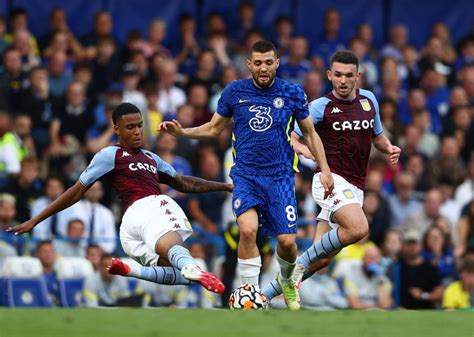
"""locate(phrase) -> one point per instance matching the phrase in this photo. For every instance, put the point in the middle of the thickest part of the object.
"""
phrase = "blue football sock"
(158, 274)
(328, 244)
(179, 257)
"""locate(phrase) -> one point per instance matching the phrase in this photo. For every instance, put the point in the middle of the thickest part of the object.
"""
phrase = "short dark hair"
(263, 46)
(345, 57)
(124, 109)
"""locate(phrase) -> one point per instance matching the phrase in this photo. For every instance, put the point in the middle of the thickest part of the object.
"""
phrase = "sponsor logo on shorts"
(291, 225)
(163, 203)
(336, 202)
(176, 225)
(237, 203)
(187, 224)
(173, 219)
(348, 194)
(168, 212)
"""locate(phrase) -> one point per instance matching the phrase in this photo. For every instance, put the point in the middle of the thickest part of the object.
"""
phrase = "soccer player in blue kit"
(263, 109)
(348, 120)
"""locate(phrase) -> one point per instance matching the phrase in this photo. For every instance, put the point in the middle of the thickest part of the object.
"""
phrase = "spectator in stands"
(366, 34)
(448, 165)
(450, 209)
(220, 45)
(98, 220)
(38, 102)
(466, 77)
(26, 188)
(24, 141)
(367, 286)
(74, 244)
(170, 97)
(441, 31)
(466, 52)
(420, 220)
(390, 248)
(465, 231)
(377, 207)
(29, 54)
(94, 255)
(433, 82)
(429, 142)
(130, 79)
(156, 35)
(283, 32)
(397, 41)
(65, 42)
(7, 219)
(102, 30)
(313, 85)
(186, 48)
(465, 192)
(420, 284)
(294, 66)
(409, 69)
(416, 165)
(9, 154)
(71, 120)
(12, 78)
(245, 24)
(59, 75)
(390, 120)
(198, 98)
(3, 29)
(328, 42)
(322, 292)
(186, 146)
(402, 203)
(228, 75)
(105, 64)
(57, 224)
(460, 294)
(57, 23)
(435, 57)
(205, 73)
(437, 250)
(205, 210)
(102, 288)
(47, 255)
(367, 67)
(19, 22)
(461, 127)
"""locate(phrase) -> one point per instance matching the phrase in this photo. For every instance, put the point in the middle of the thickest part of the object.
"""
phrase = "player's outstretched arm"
(68, 198)
(211, 129)
(315, 145)
(190, 184)
(384, 145)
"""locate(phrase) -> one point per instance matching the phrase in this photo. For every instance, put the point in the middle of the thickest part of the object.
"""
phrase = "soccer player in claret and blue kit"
(153, 226)
(348, 121)
(264, 109)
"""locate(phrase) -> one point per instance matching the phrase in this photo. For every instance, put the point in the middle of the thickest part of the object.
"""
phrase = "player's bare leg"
(249, 260)
(286, 257)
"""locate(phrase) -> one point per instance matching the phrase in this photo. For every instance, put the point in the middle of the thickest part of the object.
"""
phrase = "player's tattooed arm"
(190, 184)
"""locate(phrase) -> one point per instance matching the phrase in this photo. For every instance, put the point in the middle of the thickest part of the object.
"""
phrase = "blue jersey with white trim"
(263, 122)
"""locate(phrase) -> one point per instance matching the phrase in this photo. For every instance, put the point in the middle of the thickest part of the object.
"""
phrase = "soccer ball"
(247, 297)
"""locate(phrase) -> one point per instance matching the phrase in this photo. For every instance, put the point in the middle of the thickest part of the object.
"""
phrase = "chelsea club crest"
(278, 103)
(237, 203)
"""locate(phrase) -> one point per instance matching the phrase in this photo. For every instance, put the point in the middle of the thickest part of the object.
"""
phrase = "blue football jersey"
(263, 122)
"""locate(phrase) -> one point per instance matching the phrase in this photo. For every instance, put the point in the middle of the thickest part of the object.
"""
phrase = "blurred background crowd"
(62, 72)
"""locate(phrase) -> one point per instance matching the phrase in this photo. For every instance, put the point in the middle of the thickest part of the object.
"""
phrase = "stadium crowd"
(57, 93)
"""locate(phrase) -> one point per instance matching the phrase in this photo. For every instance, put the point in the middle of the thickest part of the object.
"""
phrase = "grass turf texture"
(208, 323)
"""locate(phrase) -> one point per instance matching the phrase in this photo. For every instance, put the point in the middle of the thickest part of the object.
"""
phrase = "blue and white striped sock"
(179, 257)
(328, 244)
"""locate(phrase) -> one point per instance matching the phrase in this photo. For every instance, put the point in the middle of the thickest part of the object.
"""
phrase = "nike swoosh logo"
(243, 100)
(291, 225)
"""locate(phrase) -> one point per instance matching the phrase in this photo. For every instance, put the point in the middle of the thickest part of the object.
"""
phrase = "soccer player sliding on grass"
(153, 226)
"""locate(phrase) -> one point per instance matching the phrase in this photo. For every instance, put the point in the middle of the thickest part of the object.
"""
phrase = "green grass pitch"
(197, 323)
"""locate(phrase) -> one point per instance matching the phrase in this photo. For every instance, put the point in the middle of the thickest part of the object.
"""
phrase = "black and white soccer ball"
(247, 297)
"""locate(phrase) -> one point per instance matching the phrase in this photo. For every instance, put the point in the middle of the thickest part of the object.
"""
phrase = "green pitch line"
(209, 323)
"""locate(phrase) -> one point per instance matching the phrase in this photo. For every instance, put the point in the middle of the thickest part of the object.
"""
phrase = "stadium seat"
(70, 292)
(73, 268)
(23, 284)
